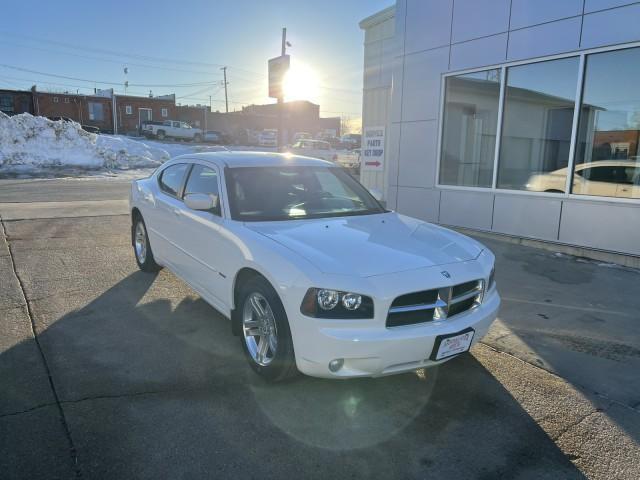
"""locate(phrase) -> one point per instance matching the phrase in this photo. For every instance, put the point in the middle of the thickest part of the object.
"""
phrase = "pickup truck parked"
(171, 129)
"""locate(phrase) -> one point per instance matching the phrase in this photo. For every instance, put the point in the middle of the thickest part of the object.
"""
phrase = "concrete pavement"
(108, 372)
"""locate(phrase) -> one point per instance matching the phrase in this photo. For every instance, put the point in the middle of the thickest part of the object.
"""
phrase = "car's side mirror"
(375, 193)
(201, 201)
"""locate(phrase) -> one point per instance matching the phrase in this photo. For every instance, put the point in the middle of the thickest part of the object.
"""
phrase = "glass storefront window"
(537, 123)
(469, 131)
(607, 160)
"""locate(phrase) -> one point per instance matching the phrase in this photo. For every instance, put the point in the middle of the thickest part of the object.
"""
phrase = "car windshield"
(296, 192)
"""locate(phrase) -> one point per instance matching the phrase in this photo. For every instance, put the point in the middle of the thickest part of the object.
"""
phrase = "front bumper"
(376, 350)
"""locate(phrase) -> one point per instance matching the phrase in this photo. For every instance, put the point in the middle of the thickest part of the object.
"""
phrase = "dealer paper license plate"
(453, 345)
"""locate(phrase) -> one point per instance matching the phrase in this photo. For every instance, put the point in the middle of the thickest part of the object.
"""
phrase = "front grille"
(435, 304)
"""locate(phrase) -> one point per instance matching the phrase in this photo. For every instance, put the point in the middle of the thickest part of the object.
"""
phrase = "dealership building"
(516, 117)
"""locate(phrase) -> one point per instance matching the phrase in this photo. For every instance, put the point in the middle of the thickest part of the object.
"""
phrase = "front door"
(202, 238)
(144, 115)
(163, 219)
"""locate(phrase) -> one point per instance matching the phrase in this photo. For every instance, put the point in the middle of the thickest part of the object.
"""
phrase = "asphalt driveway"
(108, 372)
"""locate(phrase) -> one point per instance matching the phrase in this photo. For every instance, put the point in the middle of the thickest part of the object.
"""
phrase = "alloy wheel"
(140, 242)
(259, 329)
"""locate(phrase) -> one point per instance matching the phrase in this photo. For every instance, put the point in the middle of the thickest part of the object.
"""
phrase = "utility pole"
(281, 98)
(226, 99)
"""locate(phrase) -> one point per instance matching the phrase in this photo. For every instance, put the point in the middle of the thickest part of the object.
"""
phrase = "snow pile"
(28, 142)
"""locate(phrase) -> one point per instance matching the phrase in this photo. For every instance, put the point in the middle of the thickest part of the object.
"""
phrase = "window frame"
(582, 55)
(183, 182)
(128, 110)
(220, 211)
(164, 112)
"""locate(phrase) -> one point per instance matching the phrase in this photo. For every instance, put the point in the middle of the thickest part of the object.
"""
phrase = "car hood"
(369, 245)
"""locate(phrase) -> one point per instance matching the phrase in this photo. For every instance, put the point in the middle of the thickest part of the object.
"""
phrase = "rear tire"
(197, 138)
(142, 247)
(264, 331)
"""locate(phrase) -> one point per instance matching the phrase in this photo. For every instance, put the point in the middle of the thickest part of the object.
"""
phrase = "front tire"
(265, 334)
(142, 247)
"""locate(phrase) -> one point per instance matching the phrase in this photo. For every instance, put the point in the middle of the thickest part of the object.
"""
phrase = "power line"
(118, 62)
(104, 82)
(120, 54)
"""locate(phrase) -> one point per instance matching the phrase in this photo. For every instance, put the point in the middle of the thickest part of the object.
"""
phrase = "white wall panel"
(393, 153)
(601, 225)
(611, 27)
(525, 13)
(466, 209)
(478, 53)
(421, 84)
(396, 88)
(594, 5)
(548, 39)
(418, 144)
(428, 24)
(419, 203)
(527, 216)
(479, 18)
(372, 64)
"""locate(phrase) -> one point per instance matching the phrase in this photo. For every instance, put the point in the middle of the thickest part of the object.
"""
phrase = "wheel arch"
(135, 215)
(242, 276)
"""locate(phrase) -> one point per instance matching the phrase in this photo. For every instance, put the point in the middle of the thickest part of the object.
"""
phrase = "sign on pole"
(278, 67)
(373, 149)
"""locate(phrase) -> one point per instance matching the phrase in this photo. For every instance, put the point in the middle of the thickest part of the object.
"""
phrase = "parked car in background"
(171, 129)
(335, 142)
(314, 148)
(268, 138)
(352, 140)
(314, 274)
(301, 136)
(213, 136)
(606, 178)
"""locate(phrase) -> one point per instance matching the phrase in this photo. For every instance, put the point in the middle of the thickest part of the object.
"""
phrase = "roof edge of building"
(378, 17)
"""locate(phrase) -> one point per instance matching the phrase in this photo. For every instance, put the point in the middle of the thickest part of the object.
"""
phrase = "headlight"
(328, 299)
(326, 303)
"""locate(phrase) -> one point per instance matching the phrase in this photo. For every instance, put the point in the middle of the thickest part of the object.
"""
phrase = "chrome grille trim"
(442, 306)
(413, 308)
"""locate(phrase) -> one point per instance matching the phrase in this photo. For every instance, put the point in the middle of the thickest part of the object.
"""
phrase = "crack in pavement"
(63, 419)
(573, 425)
(633, 408)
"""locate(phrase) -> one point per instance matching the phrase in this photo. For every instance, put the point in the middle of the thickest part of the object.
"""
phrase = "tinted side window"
(602, 174)
(202, 180)
(171, 178)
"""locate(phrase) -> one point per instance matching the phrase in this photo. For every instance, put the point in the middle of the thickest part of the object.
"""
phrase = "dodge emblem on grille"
(445, 274)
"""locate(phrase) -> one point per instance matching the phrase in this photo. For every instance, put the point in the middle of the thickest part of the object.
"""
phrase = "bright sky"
(170, 43)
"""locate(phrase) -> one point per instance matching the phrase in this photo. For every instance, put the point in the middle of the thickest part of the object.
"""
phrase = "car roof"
(255, 159)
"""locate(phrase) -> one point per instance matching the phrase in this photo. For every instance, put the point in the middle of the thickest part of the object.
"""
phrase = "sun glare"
(301, 83)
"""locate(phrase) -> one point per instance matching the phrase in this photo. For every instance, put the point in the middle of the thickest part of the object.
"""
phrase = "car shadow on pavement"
(153, 385)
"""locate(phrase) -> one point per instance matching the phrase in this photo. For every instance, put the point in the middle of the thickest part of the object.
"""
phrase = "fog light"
(335, 365)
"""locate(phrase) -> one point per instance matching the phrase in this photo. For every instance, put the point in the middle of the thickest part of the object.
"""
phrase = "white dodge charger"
(314, 274)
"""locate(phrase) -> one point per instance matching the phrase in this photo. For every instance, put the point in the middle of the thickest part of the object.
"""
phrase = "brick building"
(93, 110)
(196, 116)
(131, 111)
(299, 116)
(123, 114)
(13, 102)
